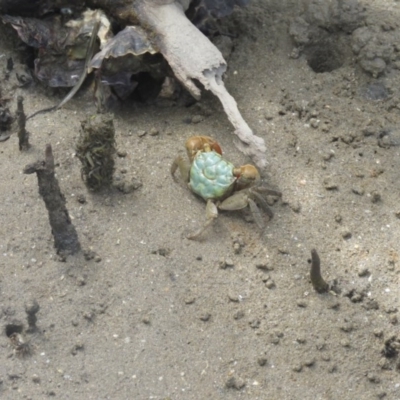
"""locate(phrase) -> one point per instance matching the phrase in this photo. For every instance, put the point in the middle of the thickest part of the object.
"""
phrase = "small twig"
(23, 134)
(315, 274)
(64, 233)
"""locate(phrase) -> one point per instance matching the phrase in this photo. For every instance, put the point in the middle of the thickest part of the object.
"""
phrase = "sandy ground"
(233, 315)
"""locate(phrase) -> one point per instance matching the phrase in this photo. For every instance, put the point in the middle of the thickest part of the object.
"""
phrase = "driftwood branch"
(193, 58)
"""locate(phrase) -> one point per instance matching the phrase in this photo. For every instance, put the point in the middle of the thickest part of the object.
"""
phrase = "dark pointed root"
(315, 274)
(64, 233)
(23, 134)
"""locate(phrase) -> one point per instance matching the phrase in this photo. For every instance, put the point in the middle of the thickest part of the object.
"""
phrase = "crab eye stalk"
(201, 143)
(246, 175)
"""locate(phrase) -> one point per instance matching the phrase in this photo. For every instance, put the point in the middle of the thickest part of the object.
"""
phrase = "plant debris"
(95, 149)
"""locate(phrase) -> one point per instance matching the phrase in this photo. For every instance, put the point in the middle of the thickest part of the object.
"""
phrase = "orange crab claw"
(201, 143)
(246, 175)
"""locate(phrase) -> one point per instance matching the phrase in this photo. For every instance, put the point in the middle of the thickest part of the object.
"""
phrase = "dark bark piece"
(65, 236)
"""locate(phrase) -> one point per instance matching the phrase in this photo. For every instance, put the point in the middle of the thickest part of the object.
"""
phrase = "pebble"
(255, 323)
(238, 315)
(197, 119)
(268, 116)
(154, 132)
(142, 133)
(310, 362)
(347, 327)
(78, 346)
(332, 369)
(314, 122)
(393, 319)
(371, 304)
(301, 303)
(320, 344)
(381, 395)
(233, 297)
(282, 250)
(358, 190)
(205, 317)
(338, 218)
(237, 248)
(363, 272)
(264, 266)
(35, 378)
(378, 333)
(81, 198)
(330, 184)
(122, 153)
(377, 171)
(265, 278)
(345, 233)
(225, 263)
(373, 378)
(190, 300)
(297, 368)
(328, 155)
(326, 127)
(384, 363)
(146, 320)
(295, 206)
(275, 337)
(357, 298)
(261, 361)
(270, 284)
(391, 309)
(235, 383)
(345, 343)
(229, 263)
(375, 197)
(80, 281)
(126, 186)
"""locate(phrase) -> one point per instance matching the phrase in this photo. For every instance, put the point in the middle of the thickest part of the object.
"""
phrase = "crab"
(222, 185)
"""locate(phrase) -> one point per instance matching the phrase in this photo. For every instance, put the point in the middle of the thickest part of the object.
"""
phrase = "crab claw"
(201, 143)
(246, 175)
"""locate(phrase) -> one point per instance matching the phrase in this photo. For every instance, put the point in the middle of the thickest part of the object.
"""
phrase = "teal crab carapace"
(220, 183)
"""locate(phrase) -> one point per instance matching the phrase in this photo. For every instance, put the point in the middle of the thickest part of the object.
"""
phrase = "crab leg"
(255, 211)
(184, 168)
(211, 214)
(263, 203)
